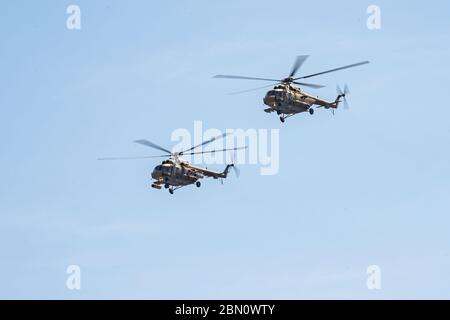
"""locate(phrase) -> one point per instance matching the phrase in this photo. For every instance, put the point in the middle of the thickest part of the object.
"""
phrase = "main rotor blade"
(131, 158)
(213, 151)
(333, 70)
(297, 64)
(225, 76)
(203, 143)
(152, 145)
(311, 85)
(249, 90)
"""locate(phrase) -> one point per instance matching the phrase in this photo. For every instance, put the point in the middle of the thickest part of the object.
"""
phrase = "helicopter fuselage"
(288, 100)
(174, 174)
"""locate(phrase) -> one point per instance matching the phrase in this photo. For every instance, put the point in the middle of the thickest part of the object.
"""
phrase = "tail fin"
(338, 99)
(227, 170)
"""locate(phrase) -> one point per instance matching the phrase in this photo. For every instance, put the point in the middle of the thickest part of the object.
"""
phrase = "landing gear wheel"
(166, 186)
(311, 111)
(198, 184)
(282, 119)
(171, 191)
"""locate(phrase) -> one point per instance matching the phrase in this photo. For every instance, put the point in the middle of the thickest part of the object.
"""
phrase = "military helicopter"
(175, 173)
(287, 100)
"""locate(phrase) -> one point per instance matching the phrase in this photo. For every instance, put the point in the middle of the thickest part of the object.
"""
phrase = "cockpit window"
(165, 169)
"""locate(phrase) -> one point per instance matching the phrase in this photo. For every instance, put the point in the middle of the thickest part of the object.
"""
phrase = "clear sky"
(369, 186)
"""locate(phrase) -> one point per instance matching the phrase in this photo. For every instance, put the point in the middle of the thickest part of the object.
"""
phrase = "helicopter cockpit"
(161, 170)
(273, 94)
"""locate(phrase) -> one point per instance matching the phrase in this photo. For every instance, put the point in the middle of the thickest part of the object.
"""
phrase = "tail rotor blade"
(346, 90)
(233, 156)
(236, 170)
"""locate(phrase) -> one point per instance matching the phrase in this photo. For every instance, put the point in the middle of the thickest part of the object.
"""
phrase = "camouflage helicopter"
(175, 173)
(287, 100)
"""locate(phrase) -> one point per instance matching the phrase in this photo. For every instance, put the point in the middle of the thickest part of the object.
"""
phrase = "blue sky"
(368, 186)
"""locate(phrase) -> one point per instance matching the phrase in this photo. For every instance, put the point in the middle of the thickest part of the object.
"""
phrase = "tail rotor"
(343, 94)
(236, 170)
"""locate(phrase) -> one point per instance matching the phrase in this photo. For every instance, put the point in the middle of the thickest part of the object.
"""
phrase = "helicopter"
(175, 172)
(287, 100)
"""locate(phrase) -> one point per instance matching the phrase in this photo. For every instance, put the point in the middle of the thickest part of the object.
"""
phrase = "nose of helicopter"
(269, 99)
(156, 173)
